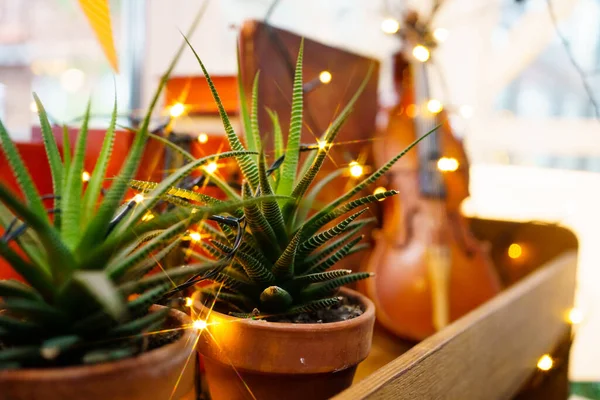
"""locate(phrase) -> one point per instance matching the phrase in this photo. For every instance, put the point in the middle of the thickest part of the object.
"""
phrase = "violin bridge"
(439, 262)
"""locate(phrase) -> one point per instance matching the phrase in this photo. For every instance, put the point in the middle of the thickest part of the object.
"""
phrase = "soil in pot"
(166, 369)
(307, 358)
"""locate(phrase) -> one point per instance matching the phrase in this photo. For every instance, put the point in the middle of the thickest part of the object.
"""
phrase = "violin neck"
(431, 182)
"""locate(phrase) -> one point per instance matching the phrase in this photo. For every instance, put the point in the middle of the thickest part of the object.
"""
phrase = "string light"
(147, 217)
(177, 110)
(466, 111)
(325, 77)
(421, 53)
(199, 324)
(545, 363)
(189, 302)
(356, 170)
(390, 26)
(440, 35)
(211, 167)
(447, 164)
(515, 251)
(195, 236)
(322, 145)
(412, 110)
(138, 198)
(33, 107)
(575, 316)
(85, 176)
(202, 138)
(434, 106)
(379, 190)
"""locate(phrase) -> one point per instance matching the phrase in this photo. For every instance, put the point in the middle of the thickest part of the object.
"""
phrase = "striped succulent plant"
(85, 259)
(275, 257)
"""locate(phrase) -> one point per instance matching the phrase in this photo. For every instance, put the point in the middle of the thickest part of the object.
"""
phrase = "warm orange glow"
(411, 111)
(575, 316)
(515, 251)
(189, 302)
(356, 170)
(33, 107)
(148, 217)
(421, 53)
(380, 190)
(325, 77)
(545, 363)
(447, 164)
(322, 145)
(390, 26)
(138, 198)
(440, 35)
(434, 106)
(202, 138)
(195, 236)
(85, 176)
(211, 167)
(177, 110)
(199, 325)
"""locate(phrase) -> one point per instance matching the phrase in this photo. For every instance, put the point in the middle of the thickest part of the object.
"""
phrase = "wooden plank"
(491, 352)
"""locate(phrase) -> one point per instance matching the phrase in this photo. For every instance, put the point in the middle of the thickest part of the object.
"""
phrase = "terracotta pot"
(254, 359)
(156, 374)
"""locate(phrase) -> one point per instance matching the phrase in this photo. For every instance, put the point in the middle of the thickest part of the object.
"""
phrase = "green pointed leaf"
(14, 288)
(21, 174)
(284, 267)
(54, 160)
(94, 186)
(253, 139)
(246, 163)
(59, 257)
(138, 270)
(313, 306)
(318, 240)
(292, 154)
(270, 209)
(317, 290)
(366, 182)
(255, 270)
(66, 152)
(260, 227)
(334, 258)
(321, 276)
(34, 275)
(306, 204)
(96, 286)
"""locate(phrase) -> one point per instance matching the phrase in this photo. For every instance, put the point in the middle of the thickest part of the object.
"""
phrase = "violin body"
(429, 269)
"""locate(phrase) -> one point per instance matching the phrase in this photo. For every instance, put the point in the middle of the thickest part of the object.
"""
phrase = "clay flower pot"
(153, 375)
(289, 361)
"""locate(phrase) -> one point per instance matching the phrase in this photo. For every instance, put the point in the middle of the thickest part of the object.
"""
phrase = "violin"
(429, 268)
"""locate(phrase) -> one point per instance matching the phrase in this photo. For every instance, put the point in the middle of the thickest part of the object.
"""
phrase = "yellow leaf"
(98, 15)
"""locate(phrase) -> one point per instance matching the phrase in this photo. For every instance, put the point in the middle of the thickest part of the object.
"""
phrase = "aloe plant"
(273, 257)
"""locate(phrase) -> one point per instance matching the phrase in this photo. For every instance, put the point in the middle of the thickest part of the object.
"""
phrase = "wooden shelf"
(490, 353)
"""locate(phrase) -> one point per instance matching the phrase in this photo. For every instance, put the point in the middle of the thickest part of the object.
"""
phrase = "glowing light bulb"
(466, 111)
(545, 363)
(380, 190)
(447, 164)
(85, 176)
(440, 35)
(390, 26)
(434, 106)
(515, 251)
(421, 53)
(575, 316)
(322, 145)
(147, 217)
(211, 167)
(325, 77)
(195, 236)
(33, 107)
(189, 302)
(199, 325)
(177, 110)
(412, 110)
(356, 170)
(138, 198)
(202, 138)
